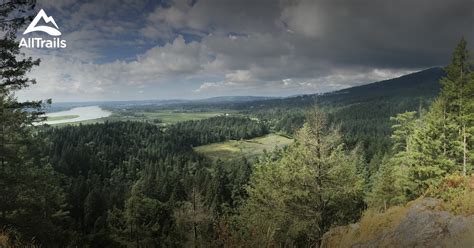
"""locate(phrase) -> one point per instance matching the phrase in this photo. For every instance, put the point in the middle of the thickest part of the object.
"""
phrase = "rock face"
(421, 224)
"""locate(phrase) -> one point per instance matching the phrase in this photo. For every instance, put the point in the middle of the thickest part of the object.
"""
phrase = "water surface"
(83, 113)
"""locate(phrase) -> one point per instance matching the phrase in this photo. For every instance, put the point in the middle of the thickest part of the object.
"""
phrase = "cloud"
(304, 17)
(242, 82)
(66, 77)
(205, 47)
(399, 34)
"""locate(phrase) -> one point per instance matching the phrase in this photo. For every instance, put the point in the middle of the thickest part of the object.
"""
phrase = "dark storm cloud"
(402, 34)
(317, 35)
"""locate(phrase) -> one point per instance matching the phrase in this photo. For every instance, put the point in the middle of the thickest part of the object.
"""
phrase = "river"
(82, 113)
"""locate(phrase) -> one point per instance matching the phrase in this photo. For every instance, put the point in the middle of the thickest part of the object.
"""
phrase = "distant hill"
(415, 86)
(158, 103)
(419, 84)
(234, 99)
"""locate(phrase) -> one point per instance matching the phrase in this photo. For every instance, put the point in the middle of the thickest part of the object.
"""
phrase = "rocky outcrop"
(421, 223)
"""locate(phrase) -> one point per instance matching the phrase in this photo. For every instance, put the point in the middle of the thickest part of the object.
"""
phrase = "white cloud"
(212, 86)
(65, 77)
(239, 76)
(339, 79)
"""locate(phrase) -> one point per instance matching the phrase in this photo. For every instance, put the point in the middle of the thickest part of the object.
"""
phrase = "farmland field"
(249, 148)
(164, 116)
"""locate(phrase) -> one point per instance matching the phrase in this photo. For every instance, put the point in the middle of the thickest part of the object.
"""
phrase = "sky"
(192, 49)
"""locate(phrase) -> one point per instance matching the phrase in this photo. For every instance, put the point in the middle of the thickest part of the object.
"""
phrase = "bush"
(457, 193)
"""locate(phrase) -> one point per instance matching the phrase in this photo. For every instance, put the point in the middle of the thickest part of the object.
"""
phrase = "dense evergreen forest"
(136, 184)
(111, 170)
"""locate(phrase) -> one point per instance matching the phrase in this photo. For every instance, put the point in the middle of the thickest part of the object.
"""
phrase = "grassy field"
(249, 148)
(63, 117)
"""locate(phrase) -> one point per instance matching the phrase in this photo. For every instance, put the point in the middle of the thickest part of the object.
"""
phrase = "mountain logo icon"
(47, 19)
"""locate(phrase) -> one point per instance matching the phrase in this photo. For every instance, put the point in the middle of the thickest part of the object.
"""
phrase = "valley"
(218, 155)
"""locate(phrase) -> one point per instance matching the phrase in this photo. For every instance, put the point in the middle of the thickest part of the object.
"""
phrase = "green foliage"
(195, 220)
(142, 214)
(405, 124)
(135, 184)
(437, 144)
(449, 188)
(456, 85)
(387, 185)
(432, 155)
(295, 196)
(363, 112)
(458, 92)
(104, 162)
(31, 202)
(220, 128)
(457, 193)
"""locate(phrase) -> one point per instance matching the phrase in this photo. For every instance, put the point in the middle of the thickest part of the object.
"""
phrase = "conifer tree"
(439, 142)
(296, 196)
(405, 124)
(31, 201)
(387, 185)
(458, 92)
(194, 219)
(424, 148)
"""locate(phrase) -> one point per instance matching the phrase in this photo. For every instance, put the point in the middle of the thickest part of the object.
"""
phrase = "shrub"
(457, 193)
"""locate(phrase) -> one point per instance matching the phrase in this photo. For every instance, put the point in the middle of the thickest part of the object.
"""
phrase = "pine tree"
(296, 196)
(138, 225)
(387, 185)
(424, 148)
(458, 92)
(31, 201)
(405, 124)
(437, 143)
(194, 219)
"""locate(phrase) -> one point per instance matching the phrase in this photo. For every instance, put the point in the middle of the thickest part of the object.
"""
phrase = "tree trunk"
(194, 218)
(444, 128)
(464, 150)
(2, 147)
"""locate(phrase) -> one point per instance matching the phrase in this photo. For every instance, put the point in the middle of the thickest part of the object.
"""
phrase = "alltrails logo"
(40, 42)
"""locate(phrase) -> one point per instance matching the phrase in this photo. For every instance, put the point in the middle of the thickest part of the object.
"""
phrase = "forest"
(139, 184)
